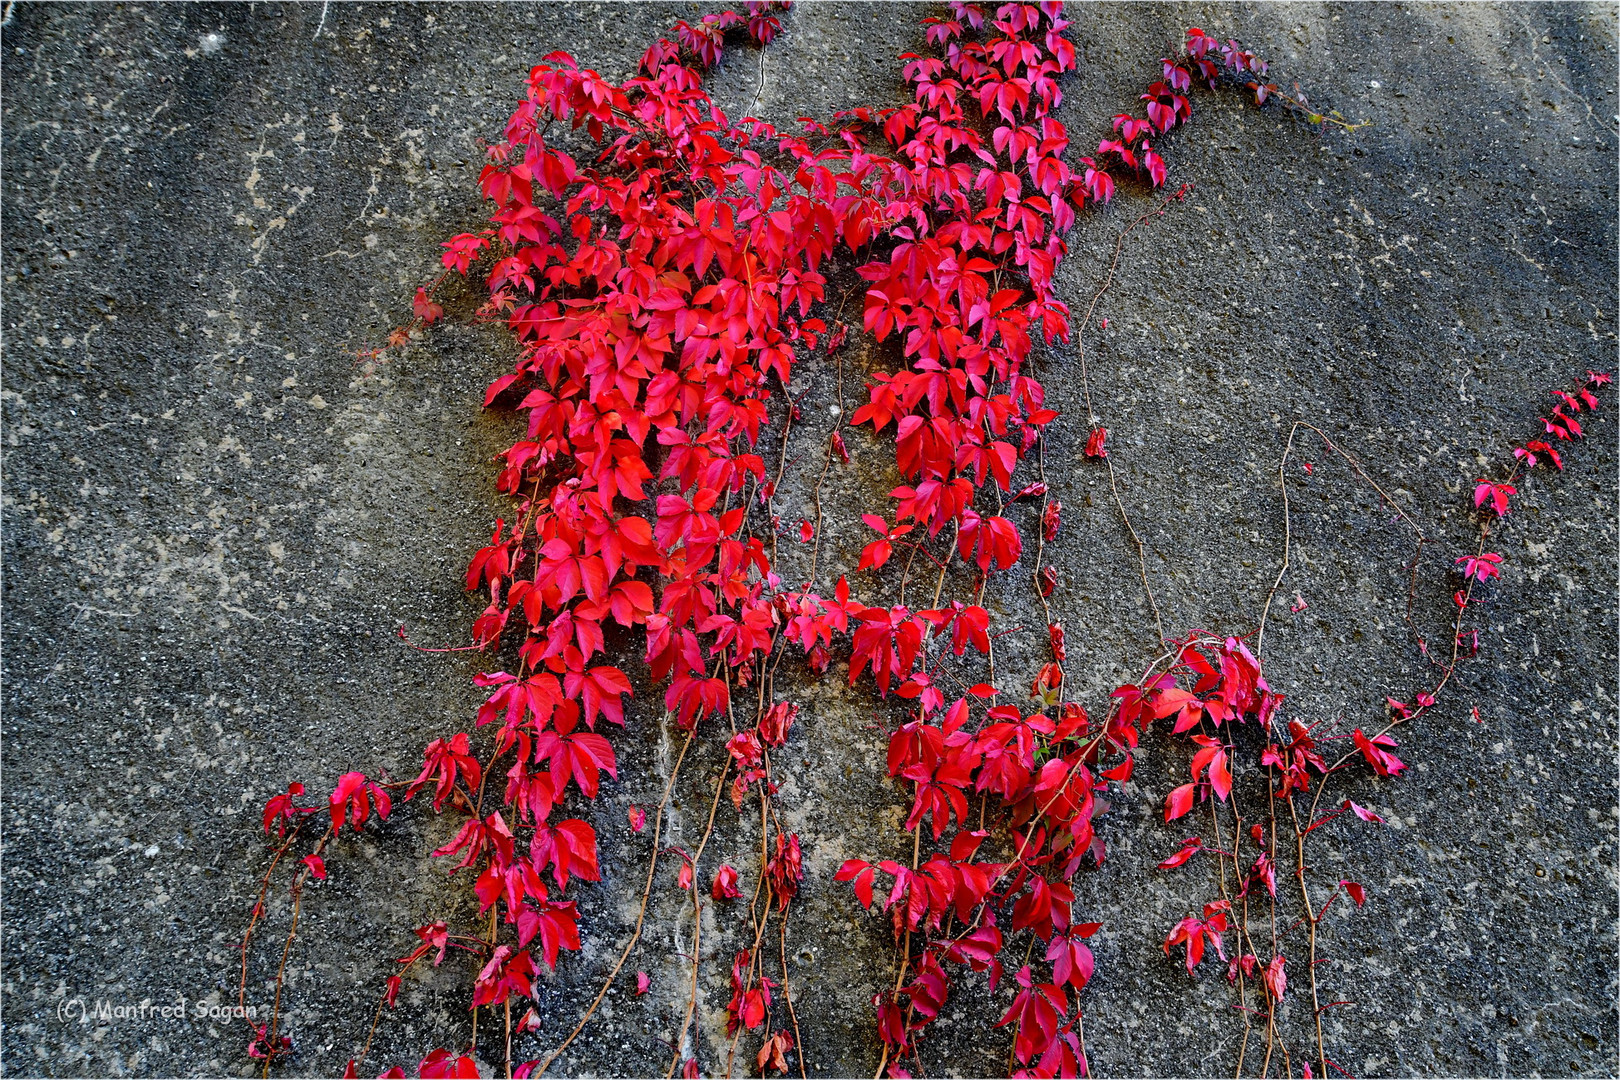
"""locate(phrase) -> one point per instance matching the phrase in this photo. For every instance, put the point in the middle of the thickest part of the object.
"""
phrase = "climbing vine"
(662, 291)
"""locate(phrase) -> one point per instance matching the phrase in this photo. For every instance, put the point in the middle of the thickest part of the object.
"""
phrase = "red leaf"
(1220, 777)
(1275, 978)
(1375, 751)
(497, 387)
(1071, 961)
(426, 310)
(725, 884)
(860, 872)
(1188, 850)
(1482, 567)
(1051, 518)
(351, 796)
(1179, 802)
(439, 1066)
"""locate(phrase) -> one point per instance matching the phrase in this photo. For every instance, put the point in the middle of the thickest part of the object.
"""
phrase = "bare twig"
(787, 995)
(697, 907)
(635, 935)
(1091, 412)
(1282, 480)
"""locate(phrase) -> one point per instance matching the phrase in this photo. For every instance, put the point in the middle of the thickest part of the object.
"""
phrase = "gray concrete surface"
(214, 520)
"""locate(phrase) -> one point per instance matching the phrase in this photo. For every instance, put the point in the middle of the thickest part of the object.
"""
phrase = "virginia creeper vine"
(661, 293)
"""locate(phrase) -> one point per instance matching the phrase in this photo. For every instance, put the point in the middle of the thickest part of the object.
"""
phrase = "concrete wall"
(215, 519)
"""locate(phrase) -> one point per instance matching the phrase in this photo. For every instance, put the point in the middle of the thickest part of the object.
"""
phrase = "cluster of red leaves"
(1213, 686)
(1226, 687)
(650, 292)
(1493, 496)
(983, 197)
(1046, 772)
(657, 307)
(964, 342)
(1493, 500)
(656, 292)
(438, 1065)
(750, 1002)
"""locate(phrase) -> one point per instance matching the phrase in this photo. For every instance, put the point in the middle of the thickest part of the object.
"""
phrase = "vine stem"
(762, 920)
(905, 956)
(761, 90)
(490, 942)
(1141, 549)
(697, 910)
(281, 972)
(815, 550)
(1220, 866)
(905, 574)
(753, 961)
(1040, 531)
(1312, 917)
(787, 995)
(1091, 413)
(376, 1019)
(781, 467)
(635, 936)
(1282, 482)
(1271, 999)
(258, 911)
(286, 949)
(1451, 668)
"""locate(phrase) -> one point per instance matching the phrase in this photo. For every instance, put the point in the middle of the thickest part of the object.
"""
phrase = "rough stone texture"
(215, 520)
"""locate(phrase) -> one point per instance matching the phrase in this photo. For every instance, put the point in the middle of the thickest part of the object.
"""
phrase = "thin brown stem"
(697, 910)
(691, 1005)
(258, 912)
(1282, 482)
(1141, 549)
(1040, 531)
(1220, 866)
(815, 548)
(1271, 1000)
(1091, 412)
(905, 956)
(905, 575)
(281, 974)
(753, 963)
(489, 940)
(1312, 918)
(787, 995)
(376, 1019)
(635, 935)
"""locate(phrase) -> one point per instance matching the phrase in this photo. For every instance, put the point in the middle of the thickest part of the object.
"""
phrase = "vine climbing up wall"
(781, 595)
(660, 297)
